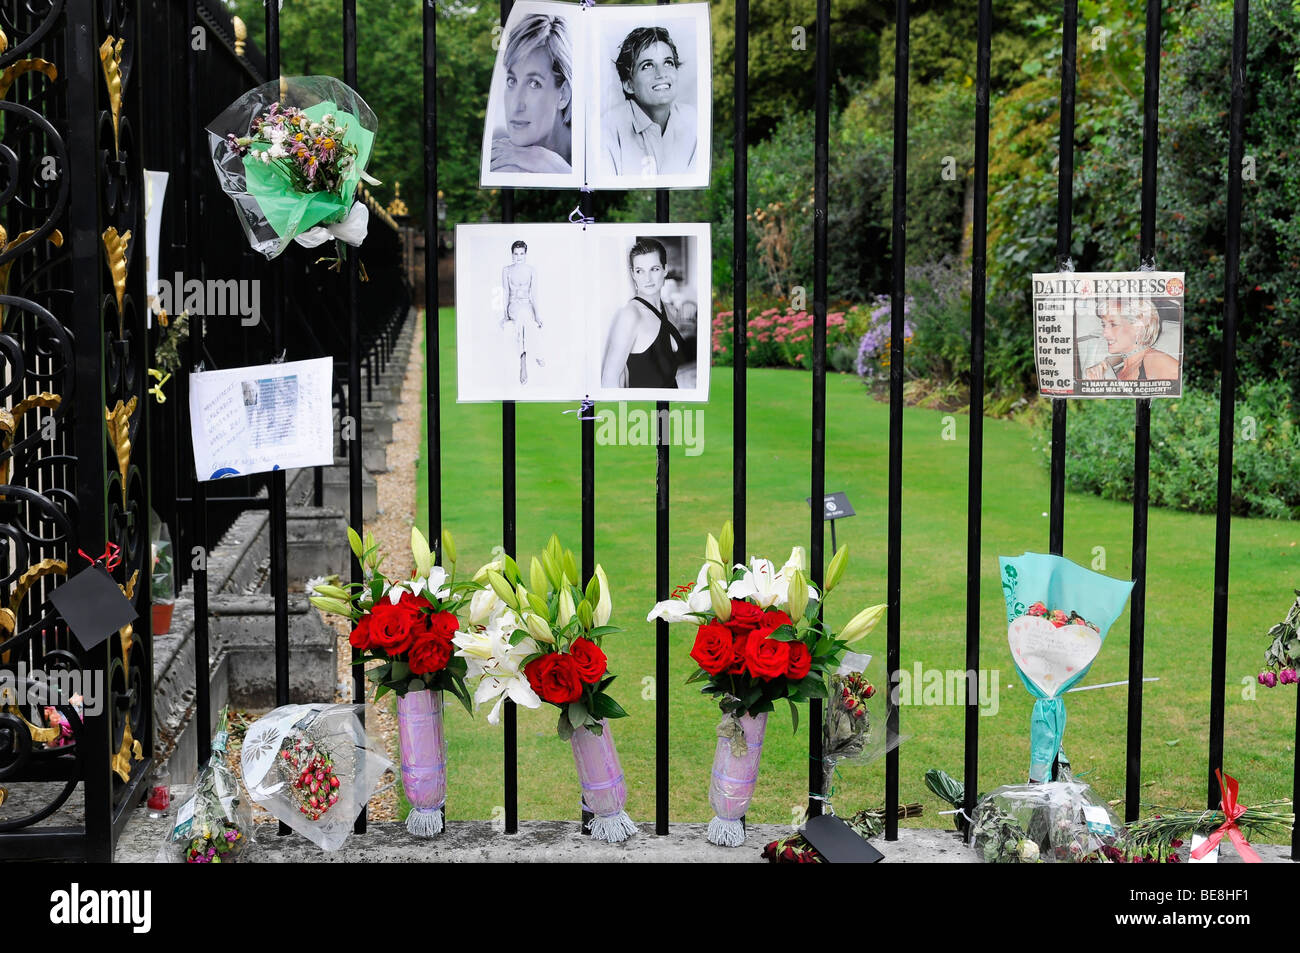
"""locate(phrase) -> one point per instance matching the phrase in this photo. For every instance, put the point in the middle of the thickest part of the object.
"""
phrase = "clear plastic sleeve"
(1056, 822)
(215, 824)
(312, 767)
(272, 217)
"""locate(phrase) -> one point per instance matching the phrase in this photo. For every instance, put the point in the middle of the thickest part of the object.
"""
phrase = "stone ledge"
(536, 842)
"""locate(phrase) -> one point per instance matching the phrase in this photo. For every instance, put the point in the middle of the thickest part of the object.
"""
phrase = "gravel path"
(392, 529)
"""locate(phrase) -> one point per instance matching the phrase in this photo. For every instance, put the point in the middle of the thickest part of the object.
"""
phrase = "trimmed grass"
(1265, 560)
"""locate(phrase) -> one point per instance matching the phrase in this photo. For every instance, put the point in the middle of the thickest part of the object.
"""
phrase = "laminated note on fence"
(1109, 334)
(256, 419)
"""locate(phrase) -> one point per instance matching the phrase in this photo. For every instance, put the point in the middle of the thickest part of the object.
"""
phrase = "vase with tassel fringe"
(424, 760)
(604, 792)
(735, 775)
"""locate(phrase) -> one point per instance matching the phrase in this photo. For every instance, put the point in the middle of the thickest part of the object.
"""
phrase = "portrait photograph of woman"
(654, 313)
(1131, 339)
(564, 312)
(651, 127)
(519, 324)
(533, 133)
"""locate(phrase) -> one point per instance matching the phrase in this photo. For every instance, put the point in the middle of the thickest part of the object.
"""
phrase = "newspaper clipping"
(1109, 334)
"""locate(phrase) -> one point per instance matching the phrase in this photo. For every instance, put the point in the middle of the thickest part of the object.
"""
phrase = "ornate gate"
(73, 453)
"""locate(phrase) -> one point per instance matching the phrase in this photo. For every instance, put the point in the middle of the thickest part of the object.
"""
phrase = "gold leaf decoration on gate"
(22, 67)
(119, 435)
(46, 567)
(55, 238)
(130, 749)
(115, 247)
(9, 615)
(9, 425)
(110, 56)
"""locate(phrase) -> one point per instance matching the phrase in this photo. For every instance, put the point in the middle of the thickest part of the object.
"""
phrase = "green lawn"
(1265, 559)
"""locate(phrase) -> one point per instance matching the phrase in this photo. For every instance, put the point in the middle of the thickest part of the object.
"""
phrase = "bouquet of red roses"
(551, 629)
(407, 626)
(759, 639)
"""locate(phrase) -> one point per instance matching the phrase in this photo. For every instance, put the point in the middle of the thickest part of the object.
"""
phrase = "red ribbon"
(111, 559)
(1231, 811)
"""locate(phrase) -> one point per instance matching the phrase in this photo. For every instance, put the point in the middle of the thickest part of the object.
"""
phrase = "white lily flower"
(432, 584)
(683, 609)
(497, 664)
(767, 586)
(482, 605)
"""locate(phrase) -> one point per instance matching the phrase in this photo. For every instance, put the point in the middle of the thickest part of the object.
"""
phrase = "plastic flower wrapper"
(312, 767)
(1056, 822)
(1058, 614)
(216, 823)
(292, 163)
(847, 724)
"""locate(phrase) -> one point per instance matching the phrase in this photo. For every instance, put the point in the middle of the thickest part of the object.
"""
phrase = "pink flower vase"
(604, 792)
(424, 760)
(735, 775)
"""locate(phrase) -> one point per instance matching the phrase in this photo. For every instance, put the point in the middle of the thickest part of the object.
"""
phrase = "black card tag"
(93, 606)
(837, 843)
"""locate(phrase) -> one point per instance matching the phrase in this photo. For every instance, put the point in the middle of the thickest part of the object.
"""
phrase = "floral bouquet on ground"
(541, 642)
(1055, 822)
(312, 767)
(290, 155)
(214, 825)
(407, 627)
(1282, 657)
(759, 639)
(1156, 839)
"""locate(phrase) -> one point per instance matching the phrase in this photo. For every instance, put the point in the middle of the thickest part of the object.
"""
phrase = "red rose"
(392, 628)
(713, 649)
(774, 619)
(360, 637)
(590, 660)
(554, 677)
(738, 646)
(442, 624)
(766, 658)
(800, 661)
(430, 654)
(744, 617)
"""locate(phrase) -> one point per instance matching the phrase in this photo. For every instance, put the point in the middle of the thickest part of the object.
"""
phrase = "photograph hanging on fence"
(257, 419)
(606, 97)
(563, 312)
(653, 121)
(1109, 334)
(536, 118)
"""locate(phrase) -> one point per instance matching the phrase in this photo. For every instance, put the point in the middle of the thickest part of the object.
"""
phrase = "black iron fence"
(348, 318)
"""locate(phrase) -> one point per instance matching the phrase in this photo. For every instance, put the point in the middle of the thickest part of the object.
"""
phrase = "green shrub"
(1185, 451)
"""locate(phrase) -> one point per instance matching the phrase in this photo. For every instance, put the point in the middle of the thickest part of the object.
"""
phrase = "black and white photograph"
(562, 312)
(520, 312)
(534, 130)
(651, 70)
(652, 312)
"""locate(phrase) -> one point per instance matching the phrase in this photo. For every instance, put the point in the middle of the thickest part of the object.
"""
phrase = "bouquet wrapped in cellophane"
(312, 767)
(215, 824)
(290, 154)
